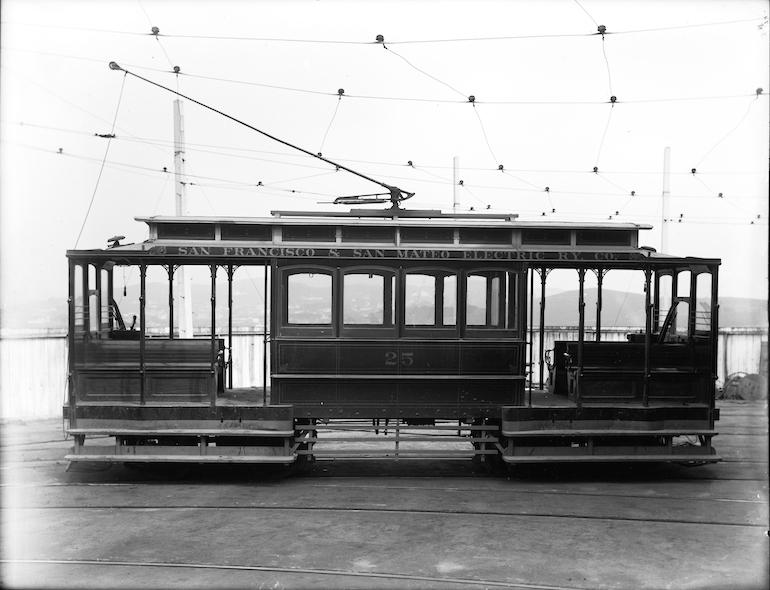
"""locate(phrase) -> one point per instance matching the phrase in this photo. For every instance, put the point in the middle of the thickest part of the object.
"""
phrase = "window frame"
(507, 304)
(438, 328)
(389, 301)
(310, 330)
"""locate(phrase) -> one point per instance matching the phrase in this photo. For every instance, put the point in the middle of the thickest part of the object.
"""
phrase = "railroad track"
(369, 524)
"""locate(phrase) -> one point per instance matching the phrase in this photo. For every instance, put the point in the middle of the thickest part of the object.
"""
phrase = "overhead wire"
(386, 98)
(403, 42)
(272, 189)
(481, 122)
(226, 151)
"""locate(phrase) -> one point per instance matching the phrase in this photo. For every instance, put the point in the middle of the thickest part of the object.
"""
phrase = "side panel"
(389, 379)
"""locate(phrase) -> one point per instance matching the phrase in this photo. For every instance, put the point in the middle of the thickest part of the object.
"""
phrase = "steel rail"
(365, 510)
(467, 582)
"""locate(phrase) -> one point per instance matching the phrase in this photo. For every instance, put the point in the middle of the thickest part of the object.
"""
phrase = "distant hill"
(619, 309)
(627, 310)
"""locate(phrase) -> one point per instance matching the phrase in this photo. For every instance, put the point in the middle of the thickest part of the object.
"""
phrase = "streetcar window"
(439, 235)
(247, 232)
(554, 237)
(367, 299)
(368, 234)
(192, 231)
(485, 235)
(430, 299)
(309, 299)
(420, 302)
(603, 237)
(490, 300)
(703, 308)
(309, 233)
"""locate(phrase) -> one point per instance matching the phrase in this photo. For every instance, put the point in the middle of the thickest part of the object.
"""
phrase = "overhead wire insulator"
(633, 193)
(500, 167)
(471, 98)
(380, 39)
(177, 69)
(602, 29)
(155, 31)
(548, 189)
(613, 99)
(409, 163)
(461, 183)
(693, 171)
(341, 91)
(596, 170)
(759, 91)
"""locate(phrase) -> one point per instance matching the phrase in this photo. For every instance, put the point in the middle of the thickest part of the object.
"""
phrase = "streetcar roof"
(398, 218)
(390, 234)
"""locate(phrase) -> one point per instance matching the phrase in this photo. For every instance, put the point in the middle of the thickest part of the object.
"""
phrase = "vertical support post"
(531, 327)
(647, 335)
(230, 272)
(714, 338)
(693, 306)
(656, 302)
(98, 288)
(110, 291)
(214, 352)
(86, 299)
(142, 333)
(543, 274)
(599, 280)
(71, 394)
(581, 329)
(170, 269)
(264, 330)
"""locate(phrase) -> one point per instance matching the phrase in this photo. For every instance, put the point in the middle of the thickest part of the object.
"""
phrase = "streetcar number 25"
(392, 359)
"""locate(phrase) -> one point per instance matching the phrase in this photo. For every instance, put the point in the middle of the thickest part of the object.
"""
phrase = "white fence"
(33, 370)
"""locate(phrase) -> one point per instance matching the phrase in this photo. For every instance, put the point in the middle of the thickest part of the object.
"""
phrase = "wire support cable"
(423, 72)
(340, 92)
(104, 160)
(729, 133)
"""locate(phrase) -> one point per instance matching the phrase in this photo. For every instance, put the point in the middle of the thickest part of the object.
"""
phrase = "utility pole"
(664, 219)
(183, 282)
(456, 180)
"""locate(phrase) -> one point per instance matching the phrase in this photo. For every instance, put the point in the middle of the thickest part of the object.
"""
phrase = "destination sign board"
(386, 253)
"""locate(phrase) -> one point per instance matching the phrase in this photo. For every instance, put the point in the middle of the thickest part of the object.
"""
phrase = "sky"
(541, 137)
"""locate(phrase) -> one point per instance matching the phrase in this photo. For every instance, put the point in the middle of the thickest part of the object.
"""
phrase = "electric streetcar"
(396, 322)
